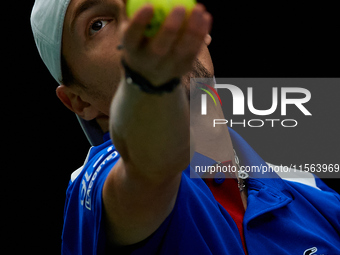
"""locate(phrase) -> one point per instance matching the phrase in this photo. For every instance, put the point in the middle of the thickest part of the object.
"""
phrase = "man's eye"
(97, 26)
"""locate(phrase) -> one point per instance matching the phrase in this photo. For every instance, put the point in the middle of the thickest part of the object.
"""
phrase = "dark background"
(44, 143)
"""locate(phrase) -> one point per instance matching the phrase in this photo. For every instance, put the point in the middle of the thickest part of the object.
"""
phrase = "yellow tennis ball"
(162, 9)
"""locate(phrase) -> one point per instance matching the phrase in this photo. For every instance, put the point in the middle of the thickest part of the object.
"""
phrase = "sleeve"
(93, 211)
(83, 232)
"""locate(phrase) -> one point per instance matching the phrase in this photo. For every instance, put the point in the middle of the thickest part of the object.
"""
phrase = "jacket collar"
(266, 190)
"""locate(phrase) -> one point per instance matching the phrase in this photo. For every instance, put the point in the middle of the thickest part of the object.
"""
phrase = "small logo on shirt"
(310, 251)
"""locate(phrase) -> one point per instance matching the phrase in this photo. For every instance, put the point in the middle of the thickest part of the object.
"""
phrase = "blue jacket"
(284, 216)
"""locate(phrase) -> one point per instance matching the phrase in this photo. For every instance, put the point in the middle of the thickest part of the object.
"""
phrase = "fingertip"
(144, 13)
(199, 7)
(178, 10)
(176, 16)
(134, 30)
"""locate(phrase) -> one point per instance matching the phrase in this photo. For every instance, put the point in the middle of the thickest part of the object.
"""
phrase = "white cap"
(47, 21)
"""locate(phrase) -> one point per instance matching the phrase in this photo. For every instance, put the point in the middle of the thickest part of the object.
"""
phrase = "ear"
(71, 99)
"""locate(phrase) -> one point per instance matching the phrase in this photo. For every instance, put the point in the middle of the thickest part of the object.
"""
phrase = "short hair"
(68, 78)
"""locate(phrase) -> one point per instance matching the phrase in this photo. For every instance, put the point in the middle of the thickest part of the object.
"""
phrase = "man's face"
(93, 30)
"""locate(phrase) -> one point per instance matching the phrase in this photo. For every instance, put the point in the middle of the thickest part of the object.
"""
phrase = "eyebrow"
(81, 8)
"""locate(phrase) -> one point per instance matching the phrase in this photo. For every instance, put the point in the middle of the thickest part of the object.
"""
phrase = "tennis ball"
(162, 9)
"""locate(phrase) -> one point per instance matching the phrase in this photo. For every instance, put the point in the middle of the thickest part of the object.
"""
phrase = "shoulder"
(92, 175)
(96, 158)
(83, 207)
